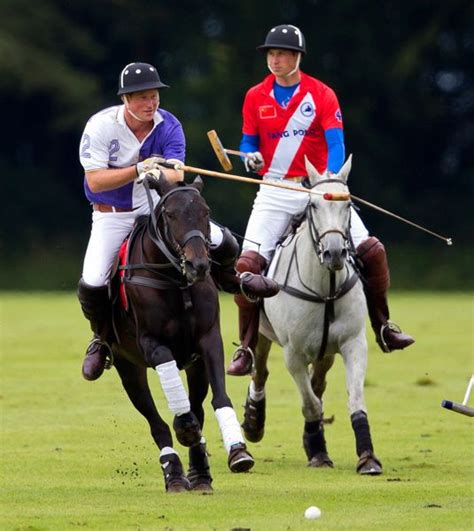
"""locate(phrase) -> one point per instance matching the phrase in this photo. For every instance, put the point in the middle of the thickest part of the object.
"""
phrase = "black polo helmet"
(286, 37)
(136, 77)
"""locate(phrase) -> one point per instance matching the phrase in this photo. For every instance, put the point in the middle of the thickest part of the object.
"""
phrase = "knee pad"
(251, 261)
(372, 251)
(94, 300)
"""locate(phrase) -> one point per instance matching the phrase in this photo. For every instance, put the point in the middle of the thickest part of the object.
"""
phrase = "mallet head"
(219, 150)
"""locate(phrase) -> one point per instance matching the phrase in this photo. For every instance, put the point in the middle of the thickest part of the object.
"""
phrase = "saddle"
(117, 275)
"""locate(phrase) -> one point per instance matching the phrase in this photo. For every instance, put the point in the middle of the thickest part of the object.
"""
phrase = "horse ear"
(343, 173)
(157, 181)
(313, 174)
(198, 183)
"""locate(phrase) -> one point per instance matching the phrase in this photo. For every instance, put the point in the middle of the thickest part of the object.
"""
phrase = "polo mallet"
(221, 152)
(329, 196)
(463, 408)
(223, 158)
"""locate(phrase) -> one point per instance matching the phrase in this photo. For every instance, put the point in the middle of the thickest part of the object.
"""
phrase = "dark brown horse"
(172, 323)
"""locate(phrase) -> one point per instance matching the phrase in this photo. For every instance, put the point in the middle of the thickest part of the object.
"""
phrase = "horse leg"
(185, 424)
(254, 409)
(212, 350)
(354, 354)
(135, 382)
(199, 474)
(314, 442)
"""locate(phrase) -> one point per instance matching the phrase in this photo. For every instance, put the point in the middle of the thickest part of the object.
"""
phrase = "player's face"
(281, 62)
(144, 104)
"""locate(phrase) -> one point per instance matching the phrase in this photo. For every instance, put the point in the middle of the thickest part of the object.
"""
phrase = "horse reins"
(334, 294)
(173, 260)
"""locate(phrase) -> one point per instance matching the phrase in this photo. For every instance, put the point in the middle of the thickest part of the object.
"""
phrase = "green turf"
(76, 455)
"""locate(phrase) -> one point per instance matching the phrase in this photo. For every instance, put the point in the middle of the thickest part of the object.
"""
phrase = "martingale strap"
(328, 301)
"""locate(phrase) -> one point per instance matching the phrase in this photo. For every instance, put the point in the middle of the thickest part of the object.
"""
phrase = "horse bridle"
(164, 241)
(316, 237)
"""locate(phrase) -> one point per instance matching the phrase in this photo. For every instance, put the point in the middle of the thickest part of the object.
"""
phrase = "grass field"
(76, 455)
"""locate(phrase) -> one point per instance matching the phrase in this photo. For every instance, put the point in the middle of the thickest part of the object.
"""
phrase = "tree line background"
(403, 72)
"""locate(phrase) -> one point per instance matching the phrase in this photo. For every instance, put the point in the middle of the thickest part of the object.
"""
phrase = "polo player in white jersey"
(118, 144)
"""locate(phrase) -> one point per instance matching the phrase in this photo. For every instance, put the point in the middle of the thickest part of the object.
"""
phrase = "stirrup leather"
(389, 325)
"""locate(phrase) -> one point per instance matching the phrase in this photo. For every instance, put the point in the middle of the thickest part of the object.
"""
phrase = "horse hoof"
(203, 487)
(369, 465)
(177, 486)
(175, 479)
(254, 419)
(239, 459)
(320, 460)
(187, 429)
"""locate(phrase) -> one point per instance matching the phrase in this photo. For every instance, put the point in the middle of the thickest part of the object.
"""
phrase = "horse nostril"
(327, 255)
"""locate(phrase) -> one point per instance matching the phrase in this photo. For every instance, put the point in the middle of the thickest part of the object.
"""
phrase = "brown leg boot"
(373, 259)
(96, 307)
(248, 280)
(243, 358)
(250, 263)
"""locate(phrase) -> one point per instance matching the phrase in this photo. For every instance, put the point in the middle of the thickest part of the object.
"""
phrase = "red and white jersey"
(288, 134)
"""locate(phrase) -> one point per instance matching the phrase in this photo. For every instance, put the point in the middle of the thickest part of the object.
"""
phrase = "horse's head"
(330, 220)
(182, 217)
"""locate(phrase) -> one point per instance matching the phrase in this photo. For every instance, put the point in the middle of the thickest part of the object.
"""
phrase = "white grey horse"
(319, 312)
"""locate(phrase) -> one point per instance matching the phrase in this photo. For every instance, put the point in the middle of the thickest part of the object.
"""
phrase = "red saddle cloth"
(123, 254)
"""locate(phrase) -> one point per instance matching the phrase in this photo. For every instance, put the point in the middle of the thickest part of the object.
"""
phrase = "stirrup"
(109, 357)
(389, 325)
(236, 356)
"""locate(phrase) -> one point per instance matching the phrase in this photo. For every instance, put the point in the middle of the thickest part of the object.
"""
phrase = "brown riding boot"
(249, 312)
(243, 357)
(96, 307)
(373, 259)
(249, 282)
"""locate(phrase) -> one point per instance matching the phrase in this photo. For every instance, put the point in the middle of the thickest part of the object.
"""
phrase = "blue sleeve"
(336, 149)
(249, 143)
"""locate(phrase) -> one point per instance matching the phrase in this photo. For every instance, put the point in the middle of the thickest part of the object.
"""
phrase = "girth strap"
(152, 282)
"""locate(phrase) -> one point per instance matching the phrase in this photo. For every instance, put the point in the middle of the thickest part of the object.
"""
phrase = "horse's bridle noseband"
(316, 236)
(166, 240)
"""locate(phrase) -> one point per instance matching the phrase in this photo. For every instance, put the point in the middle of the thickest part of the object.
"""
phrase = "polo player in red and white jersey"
(288, 116)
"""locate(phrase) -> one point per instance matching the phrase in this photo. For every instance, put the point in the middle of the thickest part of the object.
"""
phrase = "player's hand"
(149, 164)
(254, 161)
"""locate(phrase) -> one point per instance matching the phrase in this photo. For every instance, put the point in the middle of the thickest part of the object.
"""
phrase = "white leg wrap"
(173, 387)
(256, 396)
(229, 426)
(167, 450)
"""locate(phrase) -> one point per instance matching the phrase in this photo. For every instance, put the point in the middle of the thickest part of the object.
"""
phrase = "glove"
(149, 164)
(254, 161)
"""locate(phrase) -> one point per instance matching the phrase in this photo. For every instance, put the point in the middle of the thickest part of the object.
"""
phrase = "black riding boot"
(251, 285)
(97, 308)
(373, 259)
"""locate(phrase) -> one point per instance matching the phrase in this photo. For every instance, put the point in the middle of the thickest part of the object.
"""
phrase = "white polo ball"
(312, 513)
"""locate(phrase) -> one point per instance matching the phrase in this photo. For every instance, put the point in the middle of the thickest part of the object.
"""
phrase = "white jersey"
(107, 142)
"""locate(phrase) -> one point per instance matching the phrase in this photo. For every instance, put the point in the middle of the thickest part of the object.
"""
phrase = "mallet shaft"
(449, 241)
(236, 152)
(221, 175)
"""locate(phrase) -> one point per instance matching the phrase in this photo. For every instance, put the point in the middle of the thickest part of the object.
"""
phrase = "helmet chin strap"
(297, 66)
(127, 106)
